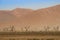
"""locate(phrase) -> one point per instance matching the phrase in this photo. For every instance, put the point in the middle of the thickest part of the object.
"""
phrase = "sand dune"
(22, 17)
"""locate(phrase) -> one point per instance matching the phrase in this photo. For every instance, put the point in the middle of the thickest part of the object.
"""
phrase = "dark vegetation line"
(30, 33)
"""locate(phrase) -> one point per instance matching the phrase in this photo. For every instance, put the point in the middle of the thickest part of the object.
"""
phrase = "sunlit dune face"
(21, 12)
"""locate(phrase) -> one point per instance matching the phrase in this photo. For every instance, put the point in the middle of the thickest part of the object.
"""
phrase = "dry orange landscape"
(21, 17)
(29, 20)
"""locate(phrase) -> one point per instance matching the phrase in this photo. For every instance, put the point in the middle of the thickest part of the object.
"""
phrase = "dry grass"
(30, 36)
